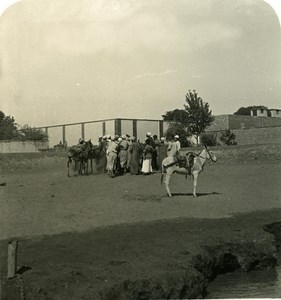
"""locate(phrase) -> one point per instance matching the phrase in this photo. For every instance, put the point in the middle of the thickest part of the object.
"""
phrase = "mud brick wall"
(22, 147)
(232, 122)
(269, 135)
(242, 122)
(220, 123)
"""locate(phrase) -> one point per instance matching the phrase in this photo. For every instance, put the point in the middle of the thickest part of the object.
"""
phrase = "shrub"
(209, 139)
(228, 138)
(32, 134)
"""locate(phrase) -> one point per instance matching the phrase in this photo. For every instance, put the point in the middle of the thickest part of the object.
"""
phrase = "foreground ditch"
(167, 259)
(203, 268)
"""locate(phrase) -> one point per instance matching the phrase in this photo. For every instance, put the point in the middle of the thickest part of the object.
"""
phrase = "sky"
(73, 61)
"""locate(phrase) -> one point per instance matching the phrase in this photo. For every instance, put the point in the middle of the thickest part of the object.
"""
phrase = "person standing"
(151, 140)
(135, 153)
(101, 159)
(162, 151)
(147, 158)
(178, 144)
(129, 140)
(155, 153)
(123, 154)
(112, 148)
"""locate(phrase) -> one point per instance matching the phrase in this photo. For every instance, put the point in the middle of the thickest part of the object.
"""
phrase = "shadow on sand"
(198, 194)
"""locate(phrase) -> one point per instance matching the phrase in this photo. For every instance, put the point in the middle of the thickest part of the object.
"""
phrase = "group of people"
(124, 154)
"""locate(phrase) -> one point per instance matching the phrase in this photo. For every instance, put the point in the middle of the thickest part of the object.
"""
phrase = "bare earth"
(65, 225)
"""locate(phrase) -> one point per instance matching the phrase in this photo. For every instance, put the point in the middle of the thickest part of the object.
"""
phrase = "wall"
(232, 122)
(220, 123)
(22, 147)
(241, 122)
(269, 135)
(254, 136)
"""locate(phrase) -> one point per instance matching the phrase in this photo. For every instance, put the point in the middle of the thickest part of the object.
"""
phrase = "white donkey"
(171, 166)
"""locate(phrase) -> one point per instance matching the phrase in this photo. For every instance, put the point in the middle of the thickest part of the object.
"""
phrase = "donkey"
(171, 166)
(79, 154)
(96, 153)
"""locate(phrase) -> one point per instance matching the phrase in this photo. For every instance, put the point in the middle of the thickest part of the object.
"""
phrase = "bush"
(228, 138)
(209, 139)
(28, 133)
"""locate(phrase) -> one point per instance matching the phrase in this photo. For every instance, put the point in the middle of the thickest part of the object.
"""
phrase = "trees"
(199, 114)
(33, 134)
(177, 115)
(8, 127)
(9, 130)
(195, 117)
(180, 130)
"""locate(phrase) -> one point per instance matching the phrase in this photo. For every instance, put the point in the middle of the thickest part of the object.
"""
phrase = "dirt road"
(36, 202)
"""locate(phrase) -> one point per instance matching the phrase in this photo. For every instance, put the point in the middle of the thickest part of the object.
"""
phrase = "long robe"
(162, 153)
(123, 154)
(146, 163)
(135, 153)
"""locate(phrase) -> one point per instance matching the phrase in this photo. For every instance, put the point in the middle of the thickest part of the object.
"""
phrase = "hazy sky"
(65, 61)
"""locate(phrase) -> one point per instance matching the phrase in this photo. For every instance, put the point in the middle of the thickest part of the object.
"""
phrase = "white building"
(275, 112)
(259, 112)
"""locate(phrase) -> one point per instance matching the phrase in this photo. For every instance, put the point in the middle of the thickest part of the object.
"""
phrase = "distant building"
(275, 113)
(260, 112)
(264, 112)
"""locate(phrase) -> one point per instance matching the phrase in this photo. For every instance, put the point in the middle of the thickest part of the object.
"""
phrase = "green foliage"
(9, 130)
(181, 131)
(199, 116)
(209, 139)
(32, 134)
(228, 138)
(177, 115)
(8, 127)
(246, 111)
(195, 117)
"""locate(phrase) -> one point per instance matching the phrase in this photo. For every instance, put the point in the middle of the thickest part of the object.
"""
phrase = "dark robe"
(135, 150)
(162, 153)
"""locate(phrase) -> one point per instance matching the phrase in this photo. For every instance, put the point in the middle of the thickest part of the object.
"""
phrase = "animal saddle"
(186, 160)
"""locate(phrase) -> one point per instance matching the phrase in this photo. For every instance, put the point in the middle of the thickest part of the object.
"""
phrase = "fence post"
(12, 259)
(135, 129)
(118, 128)
(160, 129)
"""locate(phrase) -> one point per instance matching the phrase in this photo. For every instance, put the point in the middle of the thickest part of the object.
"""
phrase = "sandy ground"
(81, 232)
(36, 202)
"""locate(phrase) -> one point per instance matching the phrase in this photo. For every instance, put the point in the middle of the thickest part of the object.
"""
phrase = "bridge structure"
(71, 132)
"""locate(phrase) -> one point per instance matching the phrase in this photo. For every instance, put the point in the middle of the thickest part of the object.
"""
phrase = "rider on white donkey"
(172, 164)
(184, 160)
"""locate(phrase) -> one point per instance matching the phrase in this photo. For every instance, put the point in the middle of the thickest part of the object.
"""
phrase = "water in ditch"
(254, 284)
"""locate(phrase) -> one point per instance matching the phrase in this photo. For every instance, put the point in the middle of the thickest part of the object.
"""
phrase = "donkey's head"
(88, 146)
